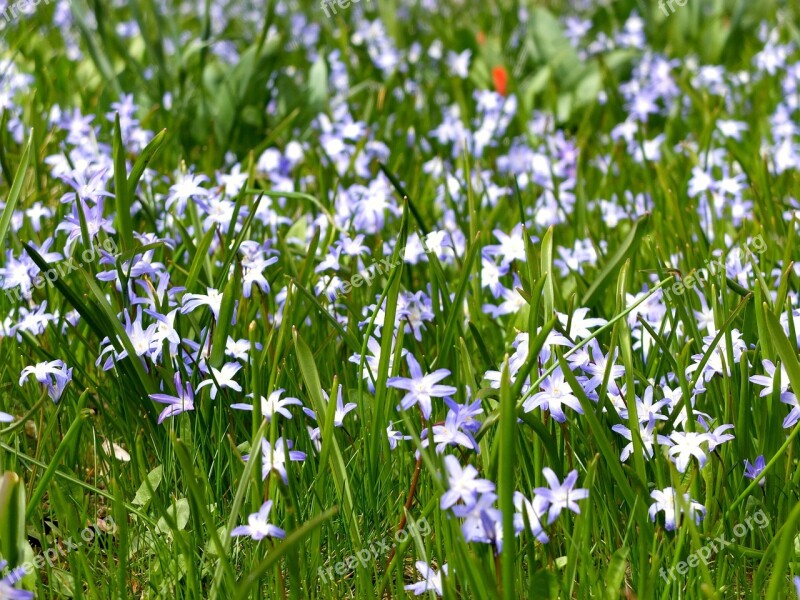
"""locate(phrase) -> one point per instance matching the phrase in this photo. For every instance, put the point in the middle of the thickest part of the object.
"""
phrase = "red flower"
(500, 78)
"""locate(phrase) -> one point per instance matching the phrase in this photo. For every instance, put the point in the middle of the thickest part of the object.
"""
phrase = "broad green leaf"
(12, 518)
(143, 162)
(121, 188)
(621, 254)
(615, 574)
(149, 486)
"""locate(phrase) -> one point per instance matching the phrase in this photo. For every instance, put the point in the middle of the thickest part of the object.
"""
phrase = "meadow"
(393, 298)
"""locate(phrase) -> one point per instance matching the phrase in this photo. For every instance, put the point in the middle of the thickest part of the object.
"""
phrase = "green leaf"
(143, 161)
(456, 306)
(199, 494)
(12, 518)
(238, 500)
(784, 348)
(121, 188)
(616, 573)
(318, 84)
(543, 586)
(308, 370)
(198, 259)
(348, 337)
(607, 274)
(790, 363)
(547, 274)
(223, 325)
(179, 513)
(552, 47)
(71, 436)
(149, 486)
(783, 547)
(16, 189)
(507, 438)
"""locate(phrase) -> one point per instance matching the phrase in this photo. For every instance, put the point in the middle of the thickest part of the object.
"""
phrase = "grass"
(216, 85)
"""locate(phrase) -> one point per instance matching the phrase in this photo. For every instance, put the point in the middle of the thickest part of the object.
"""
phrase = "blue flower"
(561, 495)
(463, 483)
(258, 526)
(421, 388)
(432, 581)
(7, 589)
(754, 470)
(183, 402)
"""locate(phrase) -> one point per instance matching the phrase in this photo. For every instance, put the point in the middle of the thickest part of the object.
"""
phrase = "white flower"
(432, 580)
(258, 526)
(222, 378)
(666, 500)
(685, 445)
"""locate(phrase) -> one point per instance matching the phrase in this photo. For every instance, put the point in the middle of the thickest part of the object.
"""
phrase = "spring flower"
(7, 583)
(754, 470)
(459, 63)
(450, 434)
(272, 405)
(578, 324)
(476, 516)
(341, 410)
(794, 415)
(561, 495)
(598, 364)
(394, 436)
(534, 512)
(53, 375)
(666, 500)
(87, 189)
(432, 581)
(188, 186)
(421, 388)
(718, 436)
(684, 446)
(511, 247)
(213, 299)
(258, 526)
(373, 360)
(463, 483)
(773, 378)
(465, 413)
(648, 439)
(183, 402)
(223, 378)
(275, 459)
(142, 339)
(718, 363)
(555, 393)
